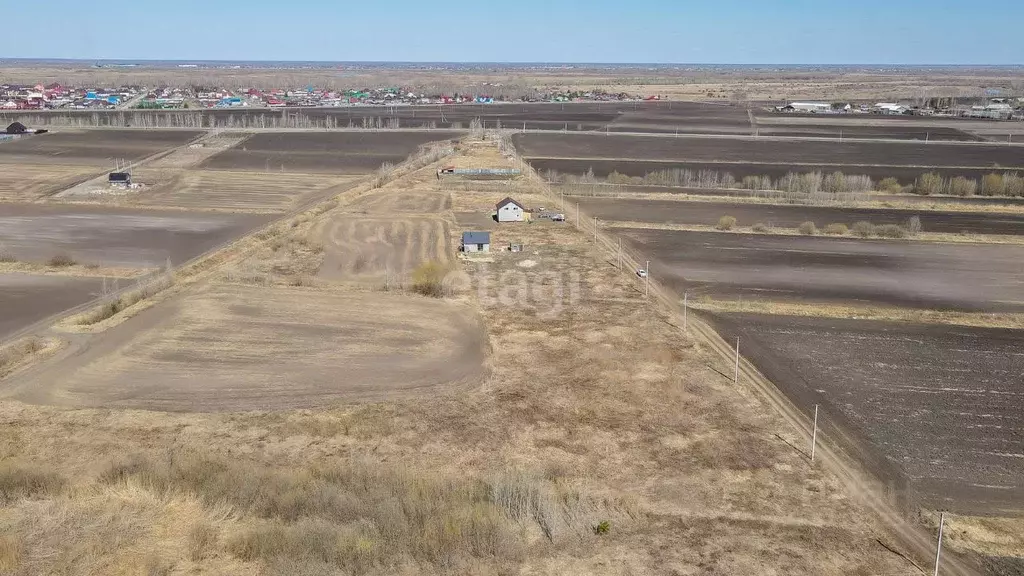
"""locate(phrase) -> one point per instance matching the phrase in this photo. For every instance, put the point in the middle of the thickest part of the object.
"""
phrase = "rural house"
(120, 179)
(510, 211)
(476, 241)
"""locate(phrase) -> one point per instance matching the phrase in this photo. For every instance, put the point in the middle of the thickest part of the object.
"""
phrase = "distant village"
(1002, 108)
(57, 96)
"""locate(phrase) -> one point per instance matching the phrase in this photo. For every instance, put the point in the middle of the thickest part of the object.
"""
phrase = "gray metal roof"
(476, 237)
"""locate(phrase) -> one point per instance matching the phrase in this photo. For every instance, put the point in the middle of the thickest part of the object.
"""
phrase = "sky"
(623, 31)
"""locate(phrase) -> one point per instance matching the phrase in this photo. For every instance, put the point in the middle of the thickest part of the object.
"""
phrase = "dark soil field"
(976, 277)
(29, 298)
(91, 146)
(602, 168)
(766, 151)
(116, 237)
(790, 216)
(685, 118)
(322, 152)
(891, 132)
(941, 403)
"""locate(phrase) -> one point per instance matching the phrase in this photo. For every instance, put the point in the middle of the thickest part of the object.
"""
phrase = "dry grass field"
(357, 247)
(240, 191)
(588, 435)
(28, 182)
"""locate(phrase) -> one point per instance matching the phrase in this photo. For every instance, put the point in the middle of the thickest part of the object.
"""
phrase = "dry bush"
(61, 260)
(992, 185)
(914, 225)
(863, 229)
(891, 231)
(835, 229)
(16, 352)
(807, 228)
(143, 291)
(23, 482)
(759, 227)
(1013, 185)
(7, 258)
(429, 279)
(726, 223)
(890, 185)
(929, 184)
(961, 186)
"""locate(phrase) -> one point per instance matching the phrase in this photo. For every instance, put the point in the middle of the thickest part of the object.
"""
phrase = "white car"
(641, 273)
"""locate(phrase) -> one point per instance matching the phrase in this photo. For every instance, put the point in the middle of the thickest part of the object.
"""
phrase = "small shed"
(510, 211)
(16, 128)
(476, 241)
(120, 179)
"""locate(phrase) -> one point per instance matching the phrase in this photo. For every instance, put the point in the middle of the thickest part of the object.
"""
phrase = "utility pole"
(685, 295)
(938, 548)
(595, 228)
(814, 433)
(618, 262)
(736, 372)
(647, 278)
(577, 215)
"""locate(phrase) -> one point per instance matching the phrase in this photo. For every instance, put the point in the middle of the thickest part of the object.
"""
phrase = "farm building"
(120, 179)
(476, 241)
(510, 211)
(813, 107)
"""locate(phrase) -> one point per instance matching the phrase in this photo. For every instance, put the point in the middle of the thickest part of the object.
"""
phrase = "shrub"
(992, 185)
(890, 185)
(759, 227)
(835, 229)
(726, 223)
(863, 229)
(914, 225)
(891, 231)
(928, 184)
(1013, 184)
(602, 527)
(61, 260)
(961, 186)
(808, 229)
(428, 279)
(7, 258)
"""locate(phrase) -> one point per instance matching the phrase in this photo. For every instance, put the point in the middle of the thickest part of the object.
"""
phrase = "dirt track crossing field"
(240, 191)
(360, 248)
(940, 402)
(234, 347)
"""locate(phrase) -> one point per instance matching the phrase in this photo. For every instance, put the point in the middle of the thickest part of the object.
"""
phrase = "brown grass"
(62, 260)
(145, 290)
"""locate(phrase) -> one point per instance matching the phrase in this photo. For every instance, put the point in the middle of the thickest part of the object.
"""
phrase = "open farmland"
(113, 236)
(28, 182)
(238, 191)
(357, 247)
(29, 298)
(240, 348)
(870, 132)
(322, 152)
(790, 216)
(975, 277)
(940, 402)
(92, 147)
(767, 151)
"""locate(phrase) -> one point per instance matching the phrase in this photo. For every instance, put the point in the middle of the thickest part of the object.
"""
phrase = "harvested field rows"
(360, 248)
(886, 132)
(754, 151)
(940, 402)
(790, 216)
(28, 182)
(241, 191)
(322, 152)
(115, 236)
(244, 348)
(968, 277)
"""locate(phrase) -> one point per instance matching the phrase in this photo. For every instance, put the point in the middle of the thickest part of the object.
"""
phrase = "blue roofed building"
(476, 241)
